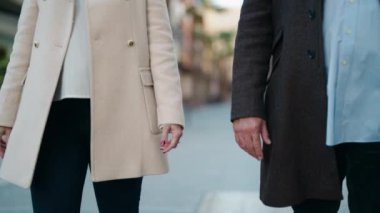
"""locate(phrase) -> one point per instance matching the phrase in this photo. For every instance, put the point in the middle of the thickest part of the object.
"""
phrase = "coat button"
(131, 43)
(36, 44)
(311, 14)
(311, 54)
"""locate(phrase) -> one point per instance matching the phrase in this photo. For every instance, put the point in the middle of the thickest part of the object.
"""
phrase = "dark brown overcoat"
(292, 98)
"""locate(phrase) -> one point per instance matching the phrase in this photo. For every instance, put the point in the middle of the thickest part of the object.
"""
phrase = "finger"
(165, 144)
(5, 135)
(165, 135)
(8, 132)
(247, 144)
(174, 142)
(3, 143)
(265, 135)
(170, 146)
(239, 140)
(4, 138)
(257, 146)
(2, 149)
(176, 138)
(2, 131)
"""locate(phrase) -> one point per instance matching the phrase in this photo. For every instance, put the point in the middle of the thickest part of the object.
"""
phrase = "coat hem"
(24, 185)
(283, 204)
(97, 179)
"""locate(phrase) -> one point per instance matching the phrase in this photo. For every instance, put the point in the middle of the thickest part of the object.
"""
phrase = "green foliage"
(3, 62)
(207, 4)
(221, 44)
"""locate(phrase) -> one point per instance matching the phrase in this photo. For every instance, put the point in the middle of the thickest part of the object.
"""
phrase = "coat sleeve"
(251, 60)
(164, 65)
(11, 89)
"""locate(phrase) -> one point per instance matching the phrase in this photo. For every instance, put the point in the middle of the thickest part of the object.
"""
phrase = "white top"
(75, 77)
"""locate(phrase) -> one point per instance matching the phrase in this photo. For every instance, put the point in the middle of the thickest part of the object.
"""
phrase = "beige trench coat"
(135, 85)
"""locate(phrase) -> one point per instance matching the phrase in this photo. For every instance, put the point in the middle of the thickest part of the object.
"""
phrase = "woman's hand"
(4, 136)
(167, 143)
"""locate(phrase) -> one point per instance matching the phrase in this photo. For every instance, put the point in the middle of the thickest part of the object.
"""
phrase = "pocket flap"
(146, 78)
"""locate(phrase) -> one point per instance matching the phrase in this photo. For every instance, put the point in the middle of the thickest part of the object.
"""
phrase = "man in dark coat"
(279, 95)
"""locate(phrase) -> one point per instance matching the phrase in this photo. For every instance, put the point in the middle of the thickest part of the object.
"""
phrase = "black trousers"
(62, 166)
(359, 163)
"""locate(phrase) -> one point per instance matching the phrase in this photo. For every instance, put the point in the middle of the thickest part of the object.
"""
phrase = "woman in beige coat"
(90, 82)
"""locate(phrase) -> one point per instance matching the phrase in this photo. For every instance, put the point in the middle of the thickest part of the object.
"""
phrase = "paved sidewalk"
(209, 174)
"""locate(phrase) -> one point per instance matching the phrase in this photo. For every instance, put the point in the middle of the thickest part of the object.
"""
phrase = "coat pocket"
(150, 99)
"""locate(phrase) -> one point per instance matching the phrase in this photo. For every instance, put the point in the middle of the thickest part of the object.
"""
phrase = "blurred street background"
(209, 172)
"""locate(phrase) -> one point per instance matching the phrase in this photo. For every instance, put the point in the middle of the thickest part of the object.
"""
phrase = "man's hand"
(176, 132)
(248, 134)
(4, 136)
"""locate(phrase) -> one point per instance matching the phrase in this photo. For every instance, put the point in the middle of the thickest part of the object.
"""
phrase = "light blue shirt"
(352, 51)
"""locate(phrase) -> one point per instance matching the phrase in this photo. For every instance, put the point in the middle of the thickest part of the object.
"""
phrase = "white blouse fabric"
(75, 77)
